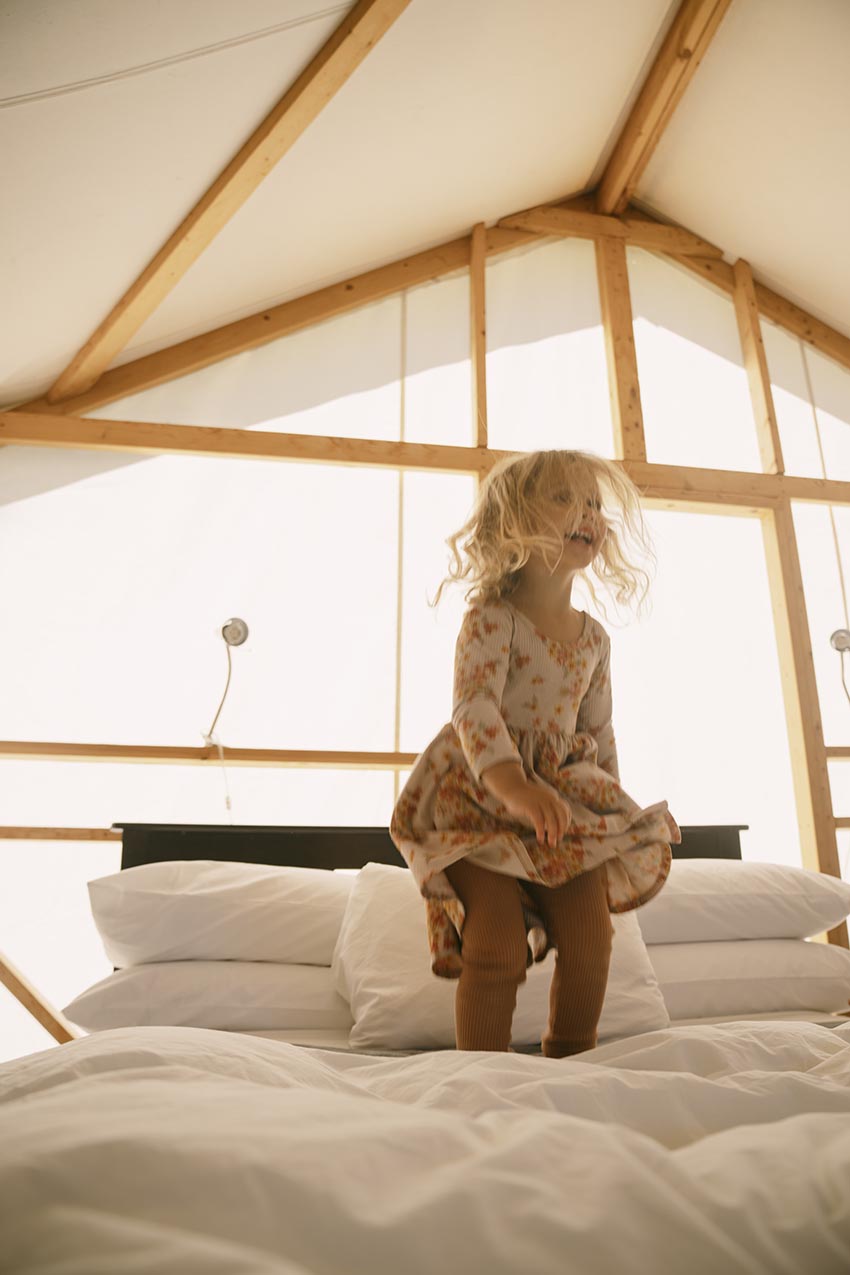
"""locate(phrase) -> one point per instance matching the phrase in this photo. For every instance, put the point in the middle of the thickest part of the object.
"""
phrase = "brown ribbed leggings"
(494, 957)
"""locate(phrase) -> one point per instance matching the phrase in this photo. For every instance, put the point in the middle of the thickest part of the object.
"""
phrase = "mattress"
(700, 1148)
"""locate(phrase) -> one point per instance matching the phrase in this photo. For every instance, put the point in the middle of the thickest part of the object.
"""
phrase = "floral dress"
(522, 696)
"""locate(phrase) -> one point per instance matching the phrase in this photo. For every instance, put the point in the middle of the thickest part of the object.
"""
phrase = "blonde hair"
(508, 522)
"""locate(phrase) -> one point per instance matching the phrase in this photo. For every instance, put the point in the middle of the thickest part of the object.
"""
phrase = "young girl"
(513, 821)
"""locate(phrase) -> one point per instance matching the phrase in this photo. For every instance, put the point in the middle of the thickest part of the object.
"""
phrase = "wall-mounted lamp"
(234, 632)
(840, 641)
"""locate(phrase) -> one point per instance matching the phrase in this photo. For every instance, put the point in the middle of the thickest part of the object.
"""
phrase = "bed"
(698, 1147)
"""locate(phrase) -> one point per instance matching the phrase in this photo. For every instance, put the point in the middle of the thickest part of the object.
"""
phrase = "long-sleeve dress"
(522, 696)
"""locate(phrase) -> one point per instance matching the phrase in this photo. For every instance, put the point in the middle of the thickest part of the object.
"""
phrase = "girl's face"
(582, 528)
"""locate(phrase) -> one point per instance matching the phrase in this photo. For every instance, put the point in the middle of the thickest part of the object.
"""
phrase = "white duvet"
(712, 1149)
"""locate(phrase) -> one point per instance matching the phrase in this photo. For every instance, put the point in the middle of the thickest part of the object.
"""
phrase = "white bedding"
(699, 1149)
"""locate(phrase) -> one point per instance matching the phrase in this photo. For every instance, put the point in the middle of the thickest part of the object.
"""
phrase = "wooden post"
(478, 331)
(802, 709)
(623, 386)
(755, 363)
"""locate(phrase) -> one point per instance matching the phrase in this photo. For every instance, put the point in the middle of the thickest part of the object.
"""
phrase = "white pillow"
(382, 967)
(227, 995)
(204, 910)
(707, 900)
(699, 980)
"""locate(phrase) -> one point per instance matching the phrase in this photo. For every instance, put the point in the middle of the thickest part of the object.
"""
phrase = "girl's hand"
(548, 813)
(531, 803)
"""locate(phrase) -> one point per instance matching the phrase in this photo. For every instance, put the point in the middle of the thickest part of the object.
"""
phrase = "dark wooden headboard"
(333, 847)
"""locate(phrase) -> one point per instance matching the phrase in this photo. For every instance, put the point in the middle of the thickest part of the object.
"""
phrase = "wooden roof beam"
(353, 39)
(683, 49)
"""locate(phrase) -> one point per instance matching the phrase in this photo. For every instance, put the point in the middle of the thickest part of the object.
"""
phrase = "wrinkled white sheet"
(178, 1150)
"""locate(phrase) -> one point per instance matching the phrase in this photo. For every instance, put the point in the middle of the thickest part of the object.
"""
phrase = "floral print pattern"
(522, 696)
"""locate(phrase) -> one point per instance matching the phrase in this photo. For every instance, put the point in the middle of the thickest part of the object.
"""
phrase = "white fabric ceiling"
(115, 117)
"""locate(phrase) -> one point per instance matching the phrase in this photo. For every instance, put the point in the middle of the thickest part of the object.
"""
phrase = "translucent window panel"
(825, 607)
(438, 375)
(47, 928)
(20, 1034)
(831, 390)
(791, 403)
(812, 397)
(698, 707)
(120, 584)
(547, 381)
(839, 786)
(843, 836)
(98, 794)
(435, 506)
(694, 391)
(340, 377)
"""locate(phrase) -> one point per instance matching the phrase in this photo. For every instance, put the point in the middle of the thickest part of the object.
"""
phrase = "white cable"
(76, 86)
(841, 582)
(209, 737)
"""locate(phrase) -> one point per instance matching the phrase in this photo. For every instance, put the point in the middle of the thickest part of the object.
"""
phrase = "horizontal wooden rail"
(38, 750)
(59, 834)
(659, 483)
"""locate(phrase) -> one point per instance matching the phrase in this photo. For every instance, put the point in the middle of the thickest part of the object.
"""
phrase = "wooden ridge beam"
(683, 49)
(737, 488)
(342, 54)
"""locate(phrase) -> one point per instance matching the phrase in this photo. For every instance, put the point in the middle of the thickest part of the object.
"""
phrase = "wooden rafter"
(279, 321)
(664, 483)
(32, 1000)
(683, 49)
(771, 306)
(358, 33)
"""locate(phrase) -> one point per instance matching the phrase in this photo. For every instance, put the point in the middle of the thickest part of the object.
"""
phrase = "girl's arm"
(595, 711)
(482, 657)
(482, 660)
